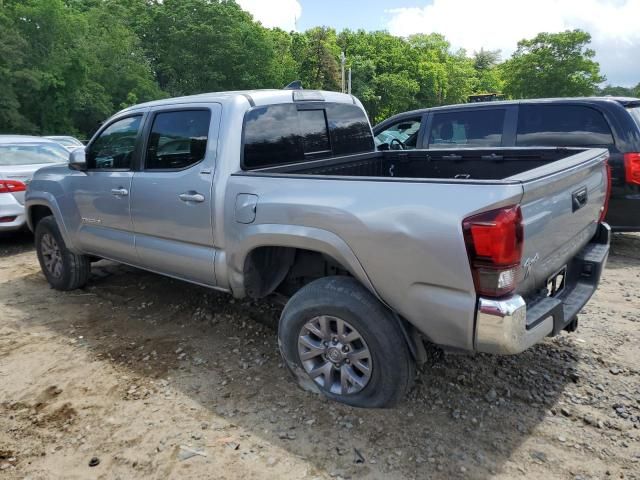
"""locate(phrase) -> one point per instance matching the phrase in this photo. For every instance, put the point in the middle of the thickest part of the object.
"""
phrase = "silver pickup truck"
(282, 193)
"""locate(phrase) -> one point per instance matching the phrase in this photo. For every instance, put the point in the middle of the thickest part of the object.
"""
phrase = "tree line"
(66, 65)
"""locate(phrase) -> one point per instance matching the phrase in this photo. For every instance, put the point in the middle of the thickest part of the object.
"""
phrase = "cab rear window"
(291, 133)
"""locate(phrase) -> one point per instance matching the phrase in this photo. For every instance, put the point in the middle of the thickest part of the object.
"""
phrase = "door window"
(177, 139)
(115, 146)
(404, 133)
(562, 126)
(468, 128)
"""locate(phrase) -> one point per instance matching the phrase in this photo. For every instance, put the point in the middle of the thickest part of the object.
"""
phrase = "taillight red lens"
(605, 207)
(494, 243)
(11, 186)
(632, 168)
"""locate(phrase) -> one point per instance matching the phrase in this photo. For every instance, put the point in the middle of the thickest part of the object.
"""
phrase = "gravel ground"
(140, 376)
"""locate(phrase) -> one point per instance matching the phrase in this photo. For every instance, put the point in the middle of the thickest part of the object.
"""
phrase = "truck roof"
(254, 97)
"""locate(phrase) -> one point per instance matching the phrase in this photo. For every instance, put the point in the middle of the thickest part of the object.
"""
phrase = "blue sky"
(475, 24)
(347, 14)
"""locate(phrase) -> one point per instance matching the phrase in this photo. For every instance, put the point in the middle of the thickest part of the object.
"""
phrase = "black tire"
(74, 269)
(392, 366)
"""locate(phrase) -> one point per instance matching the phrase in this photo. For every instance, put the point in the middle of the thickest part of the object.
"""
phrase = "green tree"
(73, 64)
(396, 92)
(552, 65)
(488, 78)
(200, 46)
(317, 53)
(617, 91)
(284, 68)
(14, 75)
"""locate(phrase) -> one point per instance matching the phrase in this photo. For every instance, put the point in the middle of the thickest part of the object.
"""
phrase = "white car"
(20, 157)
(68, 142)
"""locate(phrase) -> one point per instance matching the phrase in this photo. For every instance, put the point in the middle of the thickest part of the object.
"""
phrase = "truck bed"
(463, 164)
(401, 213)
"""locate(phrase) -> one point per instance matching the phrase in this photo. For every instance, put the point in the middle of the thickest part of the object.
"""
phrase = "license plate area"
(557, 282)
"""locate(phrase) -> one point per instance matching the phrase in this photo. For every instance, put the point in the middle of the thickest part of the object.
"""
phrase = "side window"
(469, 128)
(562, 126)
(114, 148)
(405, 132)
(177, 139)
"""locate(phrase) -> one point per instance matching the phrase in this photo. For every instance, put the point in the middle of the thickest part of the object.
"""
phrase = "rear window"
(350, 129)
(32, 154)
(469, 128)
(562, 126)
(289, 133)
(635, 113)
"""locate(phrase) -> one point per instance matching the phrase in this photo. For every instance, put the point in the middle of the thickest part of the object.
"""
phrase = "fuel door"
(246, 206)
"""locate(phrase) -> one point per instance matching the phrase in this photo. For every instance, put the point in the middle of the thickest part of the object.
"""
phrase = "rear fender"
(293, 236)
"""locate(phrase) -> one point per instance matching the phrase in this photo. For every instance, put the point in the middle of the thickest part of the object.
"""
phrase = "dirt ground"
(160, 379)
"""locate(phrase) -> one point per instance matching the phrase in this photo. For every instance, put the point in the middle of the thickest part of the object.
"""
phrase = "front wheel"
(338, 339)
(63, 269)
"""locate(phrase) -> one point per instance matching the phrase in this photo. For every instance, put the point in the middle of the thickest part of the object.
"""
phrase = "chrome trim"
(501, 326)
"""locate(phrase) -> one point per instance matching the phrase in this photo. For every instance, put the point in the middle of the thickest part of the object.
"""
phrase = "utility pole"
(349, 88)
(343, 61)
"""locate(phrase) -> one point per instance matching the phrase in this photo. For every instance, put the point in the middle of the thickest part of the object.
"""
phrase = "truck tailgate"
(561, 205)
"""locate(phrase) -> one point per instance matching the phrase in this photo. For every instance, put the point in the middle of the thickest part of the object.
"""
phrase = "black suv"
(610, 122)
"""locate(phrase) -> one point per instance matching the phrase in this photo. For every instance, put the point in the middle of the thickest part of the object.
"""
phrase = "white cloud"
(274, 13)
(499, 24)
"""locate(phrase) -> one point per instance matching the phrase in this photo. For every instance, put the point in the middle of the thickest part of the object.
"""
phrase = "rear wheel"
(339, 340)
(63, 269)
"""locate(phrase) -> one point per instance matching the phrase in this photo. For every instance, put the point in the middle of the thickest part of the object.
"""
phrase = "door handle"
(191, 197)
(579, 198)
(119, 192)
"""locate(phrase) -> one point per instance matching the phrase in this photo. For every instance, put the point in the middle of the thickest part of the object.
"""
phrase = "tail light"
(494, 243)
(605, 207)
(10, 186)
(632, 168)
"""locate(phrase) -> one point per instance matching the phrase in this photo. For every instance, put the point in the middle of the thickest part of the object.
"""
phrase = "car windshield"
(32, 154)
(388, 135)
(635, 113)
(401, 132)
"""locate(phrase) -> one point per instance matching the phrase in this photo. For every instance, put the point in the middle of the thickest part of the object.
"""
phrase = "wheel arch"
(40, 206)
(288, 240)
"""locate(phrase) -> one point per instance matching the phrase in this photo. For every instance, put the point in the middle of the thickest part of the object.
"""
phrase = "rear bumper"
(12, 209)
(511, 325)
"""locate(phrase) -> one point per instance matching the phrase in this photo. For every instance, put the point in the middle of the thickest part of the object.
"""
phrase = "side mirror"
(384, 147)
(77, 160)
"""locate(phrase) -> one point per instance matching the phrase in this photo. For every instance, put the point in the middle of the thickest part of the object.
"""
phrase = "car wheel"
(63, 269)
(338, 339)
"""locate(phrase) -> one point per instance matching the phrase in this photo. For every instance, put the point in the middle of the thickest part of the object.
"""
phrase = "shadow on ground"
(12, 243)
(465, 414)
